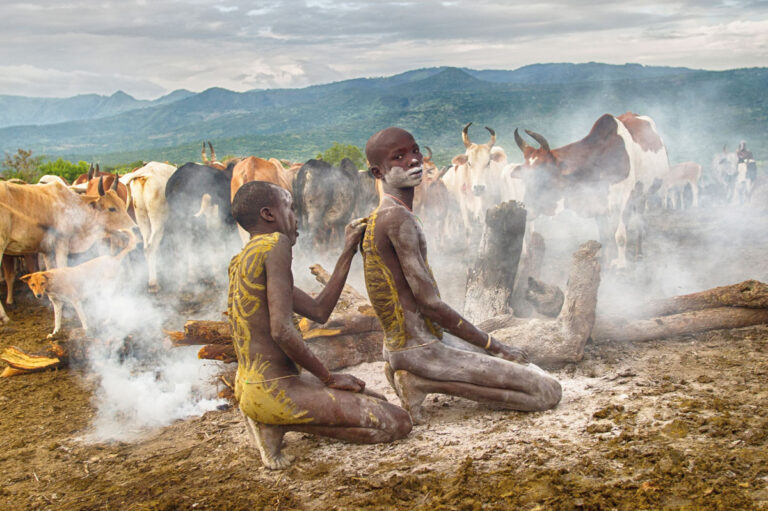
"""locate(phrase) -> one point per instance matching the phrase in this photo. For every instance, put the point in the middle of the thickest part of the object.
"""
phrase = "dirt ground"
(670, 424)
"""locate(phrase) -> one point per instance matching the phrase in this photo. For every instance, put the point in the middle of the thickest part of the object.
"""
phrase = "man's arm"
(404, 235)
(319, 308)
(280, 303)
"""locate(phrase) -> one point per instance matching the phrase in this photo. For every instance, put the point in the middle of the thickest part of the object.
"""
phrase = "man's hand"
(353, 232)
(510, 353)
(343, 381)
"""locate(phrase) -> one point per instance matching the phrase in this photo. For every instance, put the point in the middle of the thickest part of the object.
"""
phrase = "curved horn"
(202, 154)
(540, 139)
(213, 153)
(90, 172)
(522, 144)
(101, 186)
(493, 137)
(465, 136)
(98, 170)
(114, 184)
(430, 152)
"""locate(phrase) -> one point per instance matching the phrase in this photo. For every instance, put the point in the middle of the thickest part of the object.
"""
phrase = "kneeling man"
(273, 395)
(404, 294)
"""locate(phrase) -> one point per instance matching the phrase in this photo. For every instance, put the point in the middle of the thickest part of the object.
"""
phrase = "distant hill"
(20, 110)
(696, 112)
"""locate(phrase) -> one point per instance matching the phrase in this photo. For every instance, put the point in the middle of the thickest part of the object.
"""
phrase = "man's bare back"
(405, 296)
(273, 395)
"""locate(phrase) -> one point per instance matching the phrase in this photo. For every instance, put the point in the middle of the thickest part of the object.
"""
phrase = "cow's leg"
(695, 193)
(9, 274)
(145, 227)
(3, 316)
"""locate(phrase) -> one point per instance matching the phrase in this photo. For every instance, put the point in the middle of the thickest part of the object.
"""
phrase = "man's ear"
(266, 214)
(376, 172)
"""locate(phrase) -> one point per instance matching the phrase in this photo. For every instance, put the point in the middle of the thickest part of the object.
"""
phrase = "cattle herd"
(613, 174)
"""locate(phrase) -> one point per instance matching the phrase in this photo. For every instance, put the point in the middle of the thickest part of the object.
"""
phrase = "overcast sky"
(150, 47)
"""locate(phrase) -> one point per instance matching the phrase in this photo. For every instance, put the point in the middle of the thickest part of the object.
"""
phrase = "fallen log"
(21, 362)
(751, 294)
(200, 331)
(336, 351)
(221, 352)
(491, 278)
(678, 324)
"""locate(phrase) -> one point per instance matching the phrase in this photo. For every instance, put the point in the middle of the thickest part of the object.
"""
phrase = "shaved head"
(250, 199)
(379, 144)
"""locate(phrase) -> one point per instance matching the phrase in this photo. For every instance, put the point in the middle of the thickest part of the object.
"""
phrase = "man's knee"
(550, 393)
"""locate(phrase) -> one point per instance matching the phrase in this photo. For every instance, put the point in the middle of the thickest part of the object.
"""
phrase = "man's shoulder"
(259, 247)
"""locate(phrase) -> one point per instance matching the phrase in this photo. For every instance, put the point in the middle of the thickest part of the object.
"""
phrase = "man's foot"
(408, 389)
(268, 439)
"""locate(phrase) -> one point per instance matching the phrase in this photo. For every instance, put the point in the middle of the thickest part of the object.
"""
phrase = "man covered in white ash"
(406, 299)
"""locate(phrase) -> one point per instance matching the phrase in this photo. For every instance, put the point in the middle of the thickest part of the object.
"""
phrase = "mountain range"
(696, 112)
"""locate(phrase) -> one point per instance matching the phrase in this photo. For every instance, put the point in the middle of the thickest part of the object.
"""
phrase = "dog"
(72, 284)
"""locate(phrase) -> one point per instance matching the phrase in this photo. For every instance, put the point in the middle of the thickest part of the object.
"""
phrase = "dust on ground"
(673, 424)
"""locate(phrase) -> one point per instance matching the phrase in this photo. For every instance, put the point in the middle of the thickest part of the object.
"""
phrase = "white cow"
(146, 193)
(475, 177)
(680, 175)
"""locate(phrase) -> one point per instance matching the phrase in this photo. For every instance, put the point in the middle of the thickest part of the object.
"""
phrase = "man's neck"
(402, 196)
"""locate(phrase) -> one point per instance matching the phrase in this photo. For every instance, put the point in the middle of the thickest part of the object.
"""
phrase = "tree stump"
(554, 342)
(491, 279)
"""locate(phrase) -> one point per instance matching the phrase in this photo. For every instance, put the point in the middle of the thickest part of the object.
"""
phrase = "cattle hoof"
(153, 289)
(10, 306)
(5, 320)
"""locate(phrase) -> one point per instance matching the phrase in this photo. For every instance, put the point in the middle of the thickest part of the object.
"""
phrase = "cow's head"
(542, 174)
(477, 158)
(110, 210)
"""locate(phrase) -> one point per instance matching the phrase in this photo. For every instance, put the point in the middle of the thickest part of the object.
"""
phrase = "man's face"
(401, 166)
(285, 216)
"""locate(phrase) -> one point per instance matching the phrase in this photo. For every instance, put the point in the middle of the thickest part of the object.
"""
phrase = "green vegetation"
(21, 165)
(338, 152)
(63, 168)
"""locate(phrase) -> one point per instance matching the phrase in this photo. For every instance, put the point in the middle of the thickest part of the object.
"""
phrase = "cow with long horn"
(476, 177)
(602, 175)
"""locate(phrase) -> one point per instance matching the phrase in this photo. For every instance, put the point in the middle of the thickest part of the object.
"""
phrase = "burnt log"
(751, 294)
(530, 267)
(546, 299)
(678, 324)
(335, 351)
(21, 362)
(491, 279)
(554, 342)
(201, 332)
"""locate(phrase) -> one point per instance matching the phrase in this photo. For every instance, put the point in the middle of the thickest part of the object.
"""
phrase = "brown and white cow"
(475, 177)
(680, 175)
(258, 169)
(147, 197)
(51, 220)
(619, 159)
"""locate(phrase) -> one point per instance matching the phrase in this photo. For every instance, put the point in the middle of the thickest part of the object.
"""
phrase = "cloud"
(143, 46)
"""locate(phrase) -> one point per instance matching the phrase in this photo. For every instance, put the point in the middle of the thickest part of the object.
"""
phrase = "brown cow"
(52, 220)
(258, 169)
